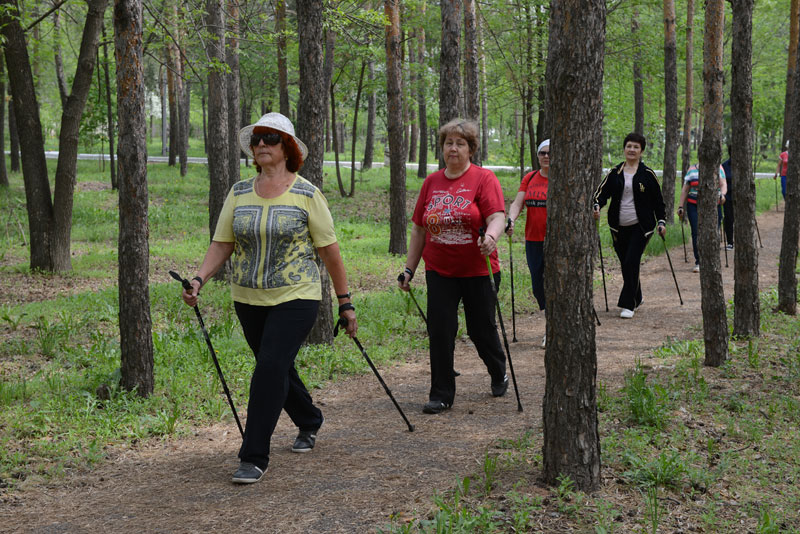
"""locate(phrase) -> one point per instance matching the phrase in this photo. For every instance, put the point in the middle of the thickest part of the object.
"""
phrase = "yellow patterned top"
(275, 242)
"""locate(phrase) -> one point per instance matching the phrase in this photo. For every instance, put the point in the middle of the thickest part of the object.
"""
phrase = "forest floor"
(367, 467)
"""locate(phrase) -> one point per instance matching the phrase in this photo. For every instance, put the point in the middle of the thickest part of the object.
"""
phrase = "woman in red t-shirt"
(453, 204)
(783, 166)
(533, 193)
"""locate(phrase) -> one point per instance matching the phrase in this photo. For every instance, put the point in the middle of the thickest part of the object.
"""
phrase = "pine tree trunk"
(471, 94)
(484, 98)
(638, 81)
(791, 68)
(686, 154)
(110, 114)
(283, 76)
(218, 148)
(136, 340)
(671, 118)
(232, 84)
(410, 110)
(355, 130)
(310, 127)
(13, 134)
(746, 299)
(575, 101)
(715, 325)
(449, 63)
(394, 119)
(330, 47)
(422, 106)
(163, 86)
(3, 170)
(172, 96)
(369, 140)
(787, 271)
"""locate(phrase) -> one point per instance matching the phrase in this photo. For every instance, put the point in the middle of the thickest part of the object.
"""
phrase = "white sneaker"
(544, 341)
(626, 313)
(696, 268)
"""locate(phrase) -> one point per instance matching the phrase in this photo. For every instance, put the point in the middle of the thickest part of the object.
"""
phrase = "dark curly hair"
(636, 138)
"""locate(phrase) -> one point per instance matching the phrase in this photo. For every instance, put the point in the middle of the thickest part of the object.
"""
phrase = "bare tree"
(50, 220)
(575, 100)
(671, 119)
(311, 129)
(791, 68)
(398, 220)
(715, 325)
(686, 154)
(136, 340)
(746, 300)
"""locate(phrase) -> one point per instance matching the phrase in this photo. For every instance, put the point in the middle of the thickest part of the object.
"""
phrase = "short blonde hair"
(463, 128)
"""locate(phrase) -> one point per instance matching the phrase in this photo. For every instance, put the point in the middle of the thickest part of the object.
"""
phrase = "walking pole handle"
(184, 282)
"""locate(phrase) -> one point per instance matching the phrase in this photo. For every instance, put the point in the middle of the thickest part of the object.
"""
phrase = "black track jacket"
(647, 199)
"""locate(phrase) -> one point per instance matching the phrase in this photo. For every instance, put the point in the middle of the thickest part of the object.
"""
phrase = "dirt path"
(367, 465)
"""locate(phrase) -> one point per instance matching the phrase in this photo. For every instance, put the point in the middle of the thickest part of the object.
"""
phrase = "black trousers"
(629, 244)
(275, 334)
(444, 295)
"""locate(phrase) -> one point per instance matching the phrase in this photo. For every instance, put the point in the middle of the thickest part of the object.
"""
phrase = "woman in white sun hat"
(272, 225)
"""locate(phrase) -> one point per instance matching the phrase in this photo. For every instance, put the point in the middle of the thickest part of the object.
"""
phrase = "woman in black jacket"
(636, 208)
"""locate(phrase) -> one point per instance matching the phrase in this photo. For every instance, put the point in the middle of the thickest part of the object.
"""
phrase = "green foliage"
(647, 403)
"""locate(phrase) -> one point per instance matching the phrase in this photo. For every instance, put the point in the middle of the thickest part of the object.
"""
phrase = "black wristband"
(199, 279)
(409, 272)
(345, 296)
(346, 306)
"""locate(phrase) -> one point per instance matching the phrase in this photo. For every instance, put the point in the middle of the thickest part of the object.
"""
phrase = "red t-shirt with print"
(534, 185)
(452, 211)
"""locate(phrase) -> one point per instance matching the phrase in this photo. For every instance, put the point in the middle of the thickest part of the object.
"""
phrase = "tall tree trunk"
(110, 113)
(394, 125)
(164, 87)
(3, 170)
(472, 107)
(136, 340)
(422, 106)
(671, 118)
(355, 130)
(13, 133)
(232, 84)
(334, 132)
(218, 150)
(522, 140)
(686, 154)
(330, 47)
(173, 90)
(57, 60)
(787, 271)
(791, 68)
(746, 299)
(484, 98)
(50, 221)
(185, 106)
(575, 99)
(715, 325)
(310, 128)
(638, 81)
(205, 122)
(413, 87)
(369, 140)
(283, 77)
(449, 63)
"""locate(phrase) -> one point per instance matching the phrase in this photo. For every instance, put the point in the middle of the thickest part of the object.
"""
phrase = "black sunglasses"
(544, 152)
(270, 138)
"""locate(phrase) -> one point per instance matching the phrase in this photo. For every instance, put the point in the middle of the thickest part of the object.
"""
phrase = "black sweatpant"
(275, 334)
(629, 244)
(444, 295)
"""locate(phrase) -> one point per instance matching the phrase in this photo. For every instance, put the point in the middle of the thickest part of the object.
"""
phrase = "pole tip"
(410, 428)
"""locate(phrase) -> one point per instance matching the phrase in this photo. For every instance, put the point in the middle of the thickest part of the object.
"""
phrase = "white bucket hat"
(274, 121)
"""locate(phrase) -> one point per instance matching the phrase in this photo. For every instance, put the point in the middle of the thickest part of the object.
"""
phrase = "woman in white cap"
(533, 193)
(272, 224)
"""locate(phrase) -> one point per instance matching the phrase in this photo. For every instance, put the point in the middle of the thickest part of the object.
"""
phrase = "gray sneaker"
(305, 441)
(248, 473)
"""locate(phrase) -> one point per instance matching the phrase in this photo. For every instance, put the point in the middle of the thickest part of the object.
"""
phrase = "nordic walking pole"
(671, 269)
(482, 233)
(595, 316)
(511, 268)
(760, 244)
(683, 238)
(400, 279)
(775, 179)
(343, 323)
(602, 267)
(724, 240)
(187, 286)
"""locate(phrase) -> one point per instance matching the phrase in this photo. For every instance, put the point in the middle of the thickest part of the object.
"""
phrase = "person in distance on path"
(453, 204)
(783, 166)
(273, 224)
(687, 205)
(636, 208)
(727, 206)
(533, 193)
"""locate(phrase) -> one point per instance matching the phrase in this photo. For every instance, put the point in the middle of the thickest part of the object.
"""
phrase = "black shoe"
(305, 441)
(248, 473)
(433, 406)
(498, 390)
